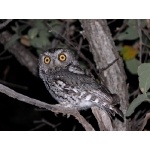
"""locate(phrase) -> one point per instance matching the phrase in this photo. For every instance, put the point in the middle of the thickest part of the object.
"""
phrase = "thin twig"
(38, 127)
(54, 108)
(140, 38)
(5, 57)
(119, 30)
(147, 117)
(103, 69)
(3, 52)
(112, 21)
(48, 123)
(145, 33)
(146, 45)
(4, 24)
(135, 93)
(14, 85)
(80, 44)
(59, 35)
(146, 50)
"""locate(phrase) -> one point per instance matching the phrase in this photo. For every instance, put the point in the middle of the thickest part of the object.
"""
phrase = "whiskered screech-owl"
(73, 86)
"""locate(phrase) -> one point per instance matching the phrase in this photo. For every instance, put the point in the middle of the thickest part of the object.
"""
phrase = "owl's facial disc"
(55, 60)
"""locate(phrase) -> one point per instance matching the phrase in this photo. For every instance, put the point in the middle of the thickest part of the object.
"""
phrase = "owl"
(73, 86)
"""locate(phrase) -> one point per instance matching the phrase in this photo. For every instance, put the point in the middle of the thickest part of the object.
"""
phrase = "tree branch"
(4, 24)
(54, 108)
(104, 52)
(140, 38)
(100, 115)
(23, 55)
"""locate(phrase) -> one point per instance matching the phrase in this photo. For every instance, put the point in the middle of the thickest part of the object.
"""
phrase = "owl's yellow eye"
(47, 60)
(62, 57)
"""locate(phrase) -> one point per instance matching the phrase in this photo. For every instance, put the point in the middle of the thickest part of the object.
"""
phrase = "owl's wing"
(97, 94)
(72, 83)
(114, 96)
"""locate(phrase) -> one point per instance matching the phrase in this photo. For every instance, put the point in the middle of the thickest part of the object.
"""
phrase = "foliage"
(34, 33)
(132, 39)
(144, 84)
(136, 102)
(136, 58)
(128, 52)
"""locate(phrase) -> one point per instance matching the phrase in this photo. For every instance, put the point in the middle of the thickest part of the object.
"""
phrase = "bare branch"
(14, 85)
(38, 127)
(112, 21)
(120, 29)
(4, 24)
(140, 38)
(147, 117)
(54, 108)
(54, 126)
(23, 55)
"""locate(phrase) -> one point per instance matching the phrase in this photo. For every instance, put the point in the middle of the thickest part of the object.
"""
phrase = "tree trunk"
(104, 52)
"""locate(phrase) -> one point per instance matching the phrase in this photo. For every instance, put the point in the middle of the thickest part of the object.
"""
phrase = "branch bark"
(104, 52)
(103, 119)
(54, 108)
(4, 24)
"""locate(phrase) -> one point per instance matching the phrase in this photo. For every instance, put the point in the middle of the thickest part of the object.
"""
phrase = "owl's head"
(56, 59)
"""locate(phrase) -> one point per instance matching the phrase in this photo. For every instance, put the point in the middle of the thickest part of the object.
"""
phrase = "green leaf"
(131, 33)
(44, 37)
(39, 23)
(44, 33)
(132, 65)
(13, 39)
(136, 102)
(45, 41)
(144, 77)
(132, 22)
(36, 42)
(32, 33)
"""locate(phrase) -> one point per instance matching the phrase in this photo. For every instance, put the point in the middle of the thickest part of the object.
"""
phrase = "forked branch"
(54, 108)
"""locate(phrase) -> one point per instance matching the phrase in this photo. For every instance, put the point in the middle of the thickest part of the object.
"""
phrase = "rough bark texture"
(104, 52)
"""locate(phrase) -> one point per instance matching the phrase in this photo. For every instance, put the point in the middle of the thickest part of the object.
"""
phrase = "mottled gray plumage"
(71, 85)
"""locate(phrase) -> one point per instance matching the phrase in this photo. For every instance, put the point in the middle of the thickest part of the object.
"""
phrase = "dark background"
(16, 115)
